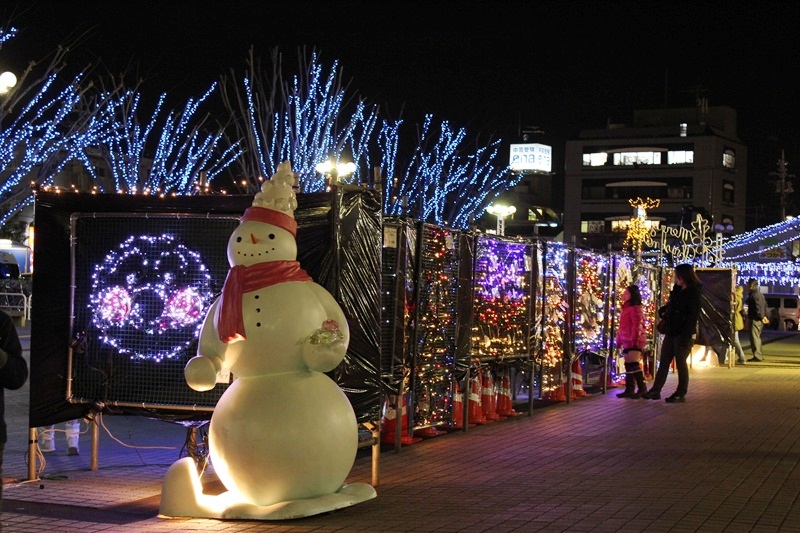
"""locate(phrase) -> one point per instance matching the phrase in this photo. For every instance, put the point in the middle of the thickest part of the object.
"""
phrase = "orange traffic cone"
(504, 404)
(557, 394)
(488, 399)
(389, 424)
(475, 410)
(458, 408)
(577, 380)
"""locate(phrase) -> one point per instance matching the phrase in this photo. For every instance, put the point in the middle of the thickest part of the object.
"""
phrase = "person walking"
(756, 311)
(738, 323)
(681, 312)
(631, 339)
(13, 374)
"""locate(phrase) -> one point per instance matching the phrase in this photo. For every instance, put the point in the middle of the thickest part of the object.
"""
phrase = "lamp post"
(334, 171)
(501, 212)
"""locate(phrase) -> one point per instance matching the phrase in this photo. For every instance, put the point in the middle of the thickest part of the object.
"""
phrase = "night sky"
(491, 67)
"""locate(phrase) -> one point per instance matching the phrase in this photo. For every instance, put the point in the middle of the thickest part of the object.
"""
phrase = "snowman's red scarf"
(242, 279)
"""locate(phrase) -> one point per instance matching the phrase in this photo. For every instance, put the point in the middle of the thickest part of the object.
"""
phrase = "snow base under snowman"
(182, 497)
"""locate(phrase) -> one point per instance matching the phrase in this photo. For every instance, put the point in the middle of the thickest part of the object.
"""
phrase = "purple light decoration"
(149, 297)
(502, 266)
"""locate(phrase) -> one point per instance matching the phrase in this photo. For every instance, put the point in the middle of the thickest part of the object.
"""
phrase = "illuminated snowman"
(283, 436)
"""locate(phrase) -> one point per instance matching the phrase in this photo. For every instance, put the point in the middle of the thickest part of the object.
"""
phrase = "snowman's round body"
(281, 431)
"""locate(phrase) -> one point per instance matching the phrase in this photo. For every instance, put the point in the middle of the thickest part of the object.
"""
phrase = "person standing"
(738, 323)
(631, 339)
(13, 374)
(756, 311)
(72, 428)
(681, 312)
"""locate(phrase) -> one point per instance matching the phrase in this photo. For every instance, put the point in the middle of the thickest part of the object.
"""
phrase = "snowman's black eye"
(271, 235)
(238, 239)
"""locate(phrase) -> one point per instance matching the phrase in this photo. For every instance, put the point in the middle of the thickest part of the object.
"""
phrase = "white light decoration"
(7, 81)
(149, 297)
(335, 170)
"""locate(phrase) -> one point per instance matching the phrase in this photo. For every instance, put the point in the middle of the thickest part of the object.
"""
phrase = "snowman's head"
(263, 235)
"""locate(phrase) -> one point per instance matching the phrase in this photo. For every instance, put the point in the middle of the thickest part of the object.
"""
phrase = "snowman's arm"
(324, 357)
(332, 310)
(201, 371)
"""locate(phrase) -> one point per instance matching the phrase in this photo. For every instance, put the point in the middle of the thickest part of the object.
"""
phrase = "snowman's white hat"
(277, 192)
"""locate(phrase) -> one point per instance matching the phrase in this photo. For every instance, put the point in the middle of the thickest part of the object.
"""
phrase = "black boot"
(629, 388)
(641, 385)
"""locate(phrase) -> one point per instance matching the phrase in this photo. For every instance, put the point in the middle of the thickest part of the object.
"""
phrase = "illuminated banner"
(774, 253)
(696, 245)
(534, 156)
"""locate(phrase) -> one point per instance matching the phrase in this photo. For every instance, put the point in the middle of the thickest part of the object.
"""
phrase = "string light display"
(501, 298)
(589, 316)
(556, 313)
(647, 280)
(149, 297)
(639, 229)
(436, 326)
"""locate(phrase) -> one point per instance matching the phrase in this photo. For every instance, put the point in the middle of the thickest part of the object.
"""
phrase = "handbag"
(662, 326)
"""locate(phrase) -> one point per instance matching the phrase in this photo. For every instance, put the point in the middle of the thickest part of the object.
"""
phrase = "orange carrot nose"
(253, 238)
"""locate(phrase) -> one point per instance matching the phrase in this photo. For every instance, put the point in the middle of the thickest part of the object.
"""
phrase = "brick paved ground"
(726, 460)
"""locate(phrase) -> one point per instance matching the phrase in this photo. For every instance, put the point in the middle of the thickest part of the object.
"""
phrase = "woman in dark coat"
(682, 312)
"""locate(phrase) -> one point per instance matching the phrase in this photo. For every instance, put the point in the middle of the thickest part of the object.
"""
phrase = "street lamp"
(501, 212)
(7, 81)
(334, 171)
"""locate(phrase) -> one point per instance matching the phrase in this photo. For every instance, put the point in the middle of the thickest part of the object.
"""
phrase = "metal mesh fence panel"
(142, 284)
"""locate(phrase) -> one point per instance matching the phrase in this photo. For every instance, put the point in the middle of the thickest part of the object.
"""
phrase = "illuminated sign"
(537, 157)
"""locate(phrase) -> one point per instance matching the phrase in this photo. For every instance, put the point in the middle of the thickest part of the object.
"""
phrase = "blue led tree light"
(306, 120)
(41, 131)
(149, 297)
(181, 151)
(444, 181)
(7, 33)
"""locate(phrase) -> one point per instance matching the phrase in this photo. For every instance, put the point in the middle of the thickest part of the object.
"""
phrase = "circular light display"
(149, 297)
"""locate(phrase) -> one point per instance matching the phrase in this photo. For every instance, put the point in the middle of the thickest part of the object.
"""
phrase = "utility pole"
(782, 186)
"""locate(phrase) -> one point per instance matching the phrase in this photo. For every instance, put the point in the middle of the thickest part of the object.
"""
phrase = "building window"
(680, 157)
(593, 226)
(725, 225)
(597, 159)
(684, 128)
(637, 158)
(728, 192)
(728, 158)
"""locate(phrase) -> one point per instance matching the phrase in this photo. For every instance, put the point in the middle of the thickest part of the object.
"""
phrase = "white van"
(783, 310)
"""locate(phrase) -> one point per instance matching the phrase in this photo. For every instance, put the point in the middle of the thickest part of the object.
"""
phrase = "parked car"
(783, 310)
